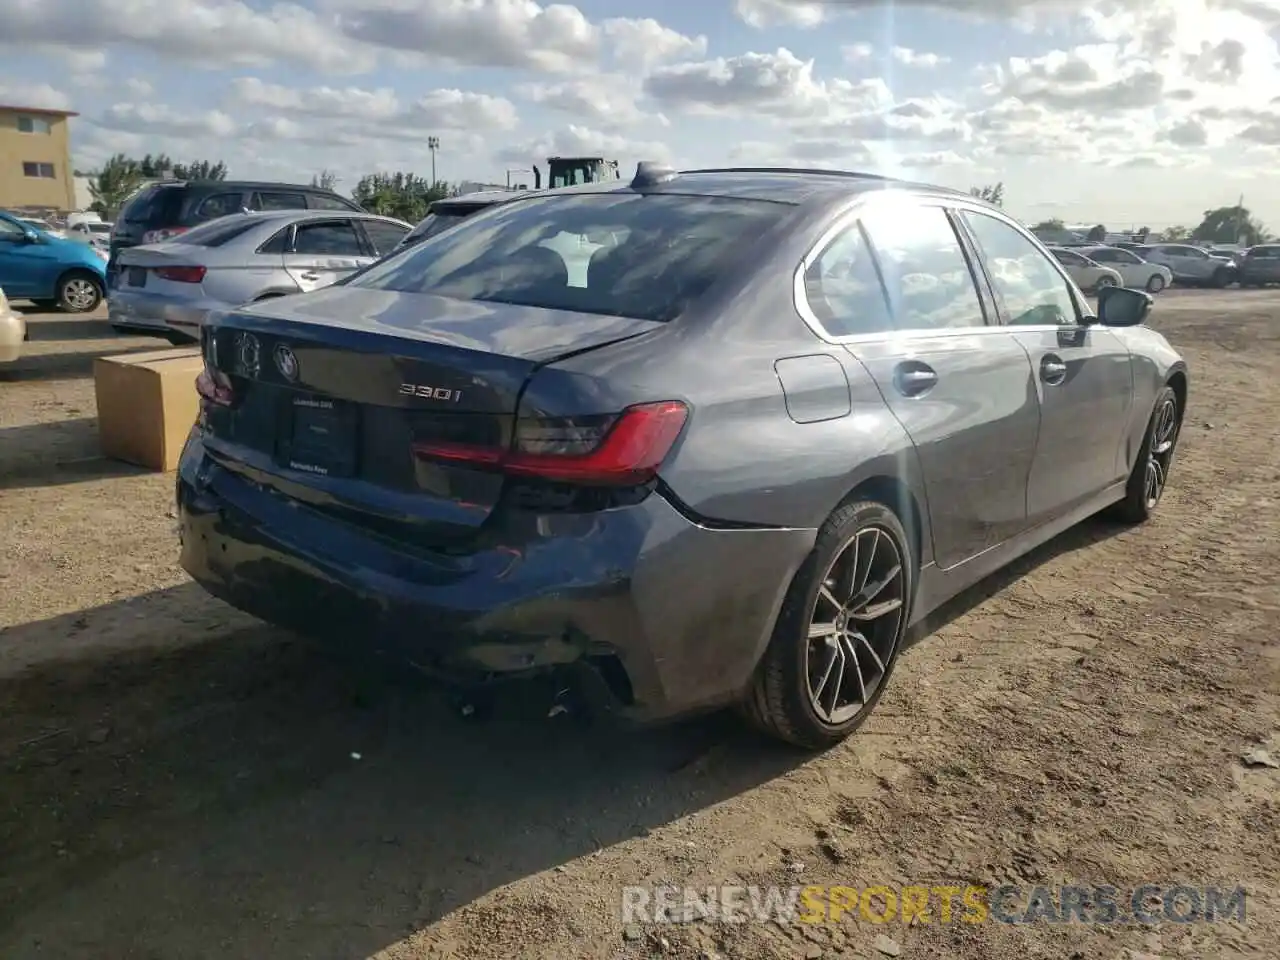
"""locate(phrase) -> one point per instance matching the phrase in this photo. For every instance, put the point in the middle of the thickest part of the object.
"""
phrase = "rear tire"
(1150, 475)
(1155, 284)
(79, 292)
(795, 696)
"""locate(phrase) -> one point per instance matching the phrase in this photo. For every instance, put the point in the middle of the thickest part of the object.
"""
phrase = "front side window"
(1031, 291)
(843, 288)
(1069, 259)
(633, 255)
(272, 200)
(925, 271)
(321, 201)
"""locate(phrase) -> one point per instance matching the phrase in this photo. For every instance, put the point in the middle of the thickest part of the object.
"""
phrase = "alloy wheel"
(79, 294)
(854, 626)
(1164, 435)
(1106, 282)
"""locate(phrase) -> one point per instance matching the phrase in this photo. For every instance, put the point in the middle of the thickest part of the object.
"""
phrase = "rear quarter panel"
(742, 458)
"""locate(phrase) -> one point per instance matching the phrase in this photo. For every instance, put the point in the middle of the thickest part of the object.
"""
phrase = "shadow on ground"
(248, 795)
(54, 453)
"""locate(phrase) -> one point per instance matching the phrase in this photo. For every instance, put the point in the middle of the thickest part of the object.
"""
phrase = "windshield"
(628, 255)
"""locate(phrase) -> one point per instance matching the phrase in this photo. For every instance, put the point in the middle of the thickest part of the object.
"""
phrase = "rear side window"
(218, 205)
(1031, 291)
(154, 206)
(843, 289)
(335, 238)
(645, 256)
(217, 233)
(925, 271)
(384, 235)
(322, 201)
(278, 200)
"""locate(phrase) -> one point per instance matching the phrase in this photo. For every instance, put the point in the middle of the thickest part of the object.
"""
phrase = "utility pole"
(433, 144)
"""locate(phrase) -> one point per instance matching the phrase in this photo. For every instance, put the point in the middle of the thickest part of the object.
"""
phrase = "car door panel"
(1082, 415)
(1083, 375)
(961, 389)
(323, 252)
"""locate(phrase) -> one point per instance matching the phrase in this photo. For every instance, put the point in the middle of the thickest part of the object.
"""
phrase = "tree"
(1143, 234)
(992, 193)
(200, 170)
(405, 196)
(1173, 234)
(1052, 224)
(325, 180)
(1228, 225)
(1097, 234)
(112, 185)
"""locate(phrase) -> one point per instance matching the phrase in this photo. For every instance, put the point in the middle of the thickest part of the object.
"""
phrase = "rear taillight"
(214, 386)
(622, 450)
(180, 274)
(159, 236)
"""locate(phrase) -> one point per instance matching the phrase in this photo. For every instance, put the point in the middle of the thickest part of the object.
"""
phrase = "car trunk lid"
(335, 389)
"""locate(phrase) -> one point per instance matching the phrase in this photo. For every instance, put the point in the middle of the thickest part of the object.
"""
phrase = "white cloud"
(643, 42)
(606, 101)
(773, 13)
(39, 95)
(579, 141)
(152, 118)
(914, 58)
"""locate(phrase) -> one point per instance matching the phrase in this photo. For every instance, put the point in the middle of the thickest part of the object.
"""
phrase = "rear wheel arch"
(898, 496)
(1177, 380)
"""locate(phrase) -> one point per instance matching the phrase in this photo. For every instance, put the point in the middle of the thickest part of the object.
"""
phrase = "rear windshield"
(155, 205)
(621, 254)
(217, 232)
(432, 224)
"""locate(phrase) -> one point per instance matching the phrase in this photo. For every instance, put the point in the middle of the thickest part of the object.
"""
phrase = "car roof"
(271, 216)
(793, 185)
(241, 184)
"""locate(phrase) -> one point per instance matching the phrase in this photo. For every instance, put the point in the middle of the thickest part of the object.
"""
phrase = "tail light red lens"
(622, 450)
(215, 387)
(181, 274)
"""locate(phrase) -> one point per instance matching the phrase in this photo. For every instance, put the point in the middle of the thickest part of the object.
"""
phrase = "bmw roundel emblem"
(286, 362)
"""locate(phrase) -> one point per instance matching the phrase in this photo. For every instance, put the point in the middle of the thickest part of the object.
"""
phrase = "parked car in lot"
(1190, 264)
(53, 271)
(1260, 265)
(443, 214)
(170, 287)
(1133, 270)
(163, 210)
(780, 417)
(13, 331)
(1087, 274)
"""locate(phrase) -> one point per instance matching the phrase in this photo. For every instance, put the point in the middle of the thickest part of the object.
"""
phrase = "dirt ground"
(178, 781)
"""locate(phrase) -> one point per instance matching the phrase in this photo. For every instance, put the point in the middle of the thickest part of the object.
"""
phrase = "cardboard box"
(147, 403)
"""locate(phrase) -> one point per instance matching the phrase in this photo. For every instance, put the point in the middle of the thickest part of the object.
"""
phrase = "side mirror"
(30, 236)
(1123, 307)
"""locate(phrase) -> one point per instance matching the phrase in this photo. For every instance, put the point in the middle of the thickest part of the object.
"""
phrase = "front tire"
(1221, 278)
(79, 292)
(1155, 284)
(1150, 474)
(839, 632)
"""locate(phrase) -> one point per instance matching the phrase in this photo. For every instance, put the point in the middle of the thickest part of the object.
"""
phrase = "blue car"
(49, 270)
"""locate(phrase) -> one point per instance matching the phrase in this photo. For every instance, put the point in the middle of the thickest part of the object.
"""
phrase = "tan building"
(35, 159)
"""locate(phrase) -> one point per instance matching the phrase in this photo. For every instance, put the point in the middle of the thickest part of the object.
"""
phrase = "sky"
(1125, 112)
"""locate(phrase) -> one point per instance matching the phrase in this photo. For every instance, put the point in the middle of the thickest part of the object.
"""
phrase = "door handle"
(914, 379)
(1053, 370)
(309, 275)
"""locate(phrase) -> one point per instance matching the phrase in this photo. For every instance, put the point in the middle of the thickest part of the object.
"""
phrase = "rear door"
(1084, 378)
(960, 386)
(324, 251)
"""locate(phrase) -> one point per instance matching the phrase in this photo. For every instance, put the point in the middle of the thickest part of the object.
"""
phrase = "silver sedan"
(169, 288)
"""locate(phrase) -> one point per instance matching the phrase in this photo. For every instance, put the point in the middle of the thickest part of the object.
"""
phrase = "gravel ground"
(179, 781)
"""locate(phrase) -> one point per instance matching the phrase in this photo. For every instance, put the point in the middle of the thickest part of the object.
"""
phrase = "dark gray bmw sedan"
(702, 438)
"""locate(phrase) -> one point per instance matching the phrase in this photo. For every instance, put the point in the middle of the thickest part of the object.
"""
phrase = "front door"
(323, 252)
(28, 267)
(962, 389)
(1083, 374)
